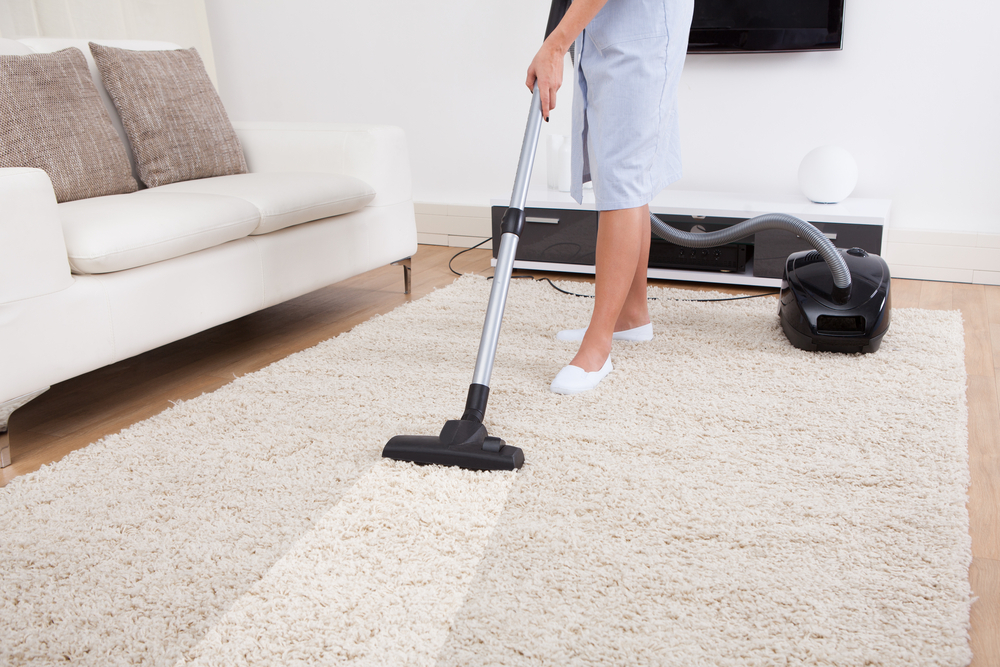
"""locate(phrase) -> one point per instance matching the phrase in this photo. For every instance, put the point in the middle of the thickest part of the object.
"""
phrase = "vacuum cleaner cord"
(591, 296)
(461, 252)
(656, 298)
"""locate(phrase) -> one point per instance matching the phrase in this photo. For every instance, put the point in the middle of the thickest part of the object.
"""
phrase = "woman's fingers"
(548, 101)
(543, 95)
(548, 94)
(546, 71)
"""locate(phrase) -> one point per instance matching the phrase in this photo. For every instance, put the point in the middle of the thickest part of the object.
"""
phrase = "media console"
(560, 235)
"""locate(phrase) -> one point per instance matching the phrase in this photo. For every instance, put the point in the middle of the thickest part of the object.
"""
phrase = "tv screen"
(739, 26)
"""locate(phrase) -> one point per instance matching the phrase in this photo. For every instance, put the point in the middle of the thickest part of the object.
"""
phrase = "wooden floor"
(77, 412)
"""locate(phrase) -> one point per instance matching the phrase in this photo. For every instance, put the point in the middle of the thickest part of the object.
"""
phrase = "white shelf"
(731, 205)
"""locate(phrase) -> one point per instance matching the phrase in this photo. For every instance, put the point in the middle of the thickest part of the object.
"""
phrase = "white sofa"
(87, 283)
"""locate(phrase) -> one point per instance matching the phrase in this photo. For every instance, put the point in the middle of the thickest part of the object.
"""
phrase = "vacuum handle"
(508, 249)
(533, 129)
(529, 146)
(479, 391)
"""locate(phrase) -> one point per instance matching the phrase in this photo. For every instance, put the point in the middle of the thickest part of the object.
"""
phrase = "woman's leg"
(620, 297)
(635, 310)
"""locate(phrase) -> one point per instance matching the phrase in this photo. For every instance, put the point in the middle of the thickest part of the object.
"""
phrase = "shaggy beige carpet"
(721, 499)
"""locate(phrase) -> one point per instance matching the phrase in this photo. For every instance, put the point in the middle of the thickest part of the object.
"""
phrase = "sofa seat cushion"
(285, 199)
(119, 232)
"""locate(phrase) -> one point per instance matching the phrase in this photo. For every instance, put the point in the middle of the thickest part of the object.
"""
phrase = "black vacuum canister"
(818, 316)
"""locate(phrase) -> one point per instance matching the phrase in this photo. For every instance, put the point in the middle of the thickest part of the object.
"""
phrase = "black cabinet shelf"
(561, 236)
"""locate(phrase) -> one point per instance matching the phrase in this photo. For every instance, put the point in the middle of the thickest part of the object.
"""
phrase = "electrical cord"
(464, 251)
(656, 298)
(591, 296)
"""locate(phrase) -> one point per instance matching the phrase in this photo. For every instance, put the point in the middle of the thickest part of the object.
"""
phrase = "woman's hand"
(546, 70)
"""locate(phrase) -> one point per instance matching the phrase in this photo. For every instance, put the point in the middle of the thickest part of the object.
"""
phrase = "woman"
(629, 56)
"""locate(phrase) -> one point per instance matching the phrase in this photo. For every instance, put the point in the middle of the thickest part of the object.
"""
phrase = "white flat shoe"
(574, 380)
(636, 335)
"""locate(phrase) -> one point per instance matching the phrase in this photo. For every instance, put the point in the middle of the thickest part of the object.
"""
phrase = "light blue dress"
(625, 130)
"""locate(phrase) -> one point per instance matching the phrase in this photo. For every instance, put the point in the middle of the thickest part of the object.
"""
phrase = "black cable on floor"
(591, 296)
(466, 250)
(655, 298)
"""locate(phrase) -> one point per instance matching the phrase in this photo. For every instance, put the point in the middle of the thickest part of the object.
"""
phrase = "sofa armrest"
(376, 154)
(33, 261)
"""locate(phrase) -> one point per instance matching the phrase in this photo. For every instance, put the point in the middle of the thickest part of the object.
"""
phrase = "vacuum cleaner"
(831, 300)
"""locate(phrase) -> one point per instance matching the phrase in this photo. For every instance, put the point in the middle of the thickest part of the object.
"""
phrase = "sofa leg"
(6, 410)
(407, 264)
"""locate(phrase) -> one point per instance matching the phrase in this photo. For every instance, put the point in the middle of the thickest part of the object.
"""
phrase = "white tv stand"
(559, 234)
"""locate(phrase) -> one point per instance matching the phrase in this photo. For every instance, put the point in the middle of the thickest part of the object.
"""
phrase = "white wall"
(182, 22)
(913, 96)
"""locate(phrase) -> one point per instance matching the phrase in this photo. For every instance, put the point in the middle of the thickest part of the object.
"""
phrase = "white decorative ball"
(828, 175)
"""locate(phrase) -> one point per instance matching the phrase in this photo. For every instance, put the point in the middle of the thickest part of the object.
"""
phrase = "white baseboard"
(960, 257)
(986, 277)
(453, 241)
(453, 226)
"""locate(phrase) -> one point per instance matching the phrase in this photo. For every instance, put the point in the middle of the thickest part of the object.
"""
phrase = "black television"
(766, 26)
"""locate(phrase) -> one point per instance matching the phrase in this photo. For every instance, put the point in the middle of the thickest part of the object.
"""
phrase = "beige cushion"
(172, 115)
(50, 44)
(125, 231)
(51, 118)
(284, 199)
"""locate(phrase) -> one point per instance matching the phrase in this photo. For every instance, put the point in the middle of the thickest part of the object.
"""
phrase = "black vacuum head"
(462, 443)
(815, 315)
